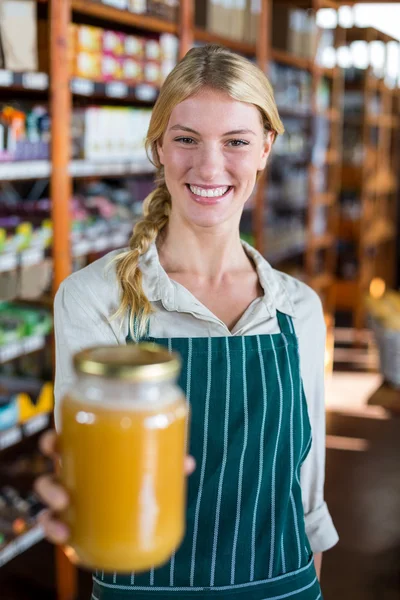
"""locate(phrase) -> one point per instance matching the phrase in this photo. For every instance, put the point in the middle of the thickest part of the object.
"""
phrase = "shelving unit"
(315, 262)
(367, 228)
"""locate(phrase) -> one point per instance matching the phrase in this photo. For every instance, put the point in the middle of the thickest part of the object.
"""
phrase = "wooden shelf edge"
(321, 241)
(123, 17)
(321, 281)
(287, 58)
(201, 35)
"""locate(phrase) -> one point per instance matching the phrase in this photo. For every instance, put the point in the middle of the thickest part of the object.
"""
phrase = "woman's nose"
(209, 164)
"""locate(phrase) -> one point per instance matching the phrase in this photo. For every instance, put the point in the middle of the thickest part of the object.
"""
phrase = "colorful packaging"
(132, 70)
(133, 46)
(88, 39)
(113, 43)
(88, 65)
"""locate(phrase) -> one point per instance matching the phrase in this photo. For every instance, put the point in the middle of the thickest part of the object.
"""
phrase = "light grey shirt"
(87, 299)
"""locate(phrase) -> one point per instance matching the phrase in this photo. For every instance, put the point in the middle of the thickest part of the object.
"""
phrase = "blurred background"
(78, 79)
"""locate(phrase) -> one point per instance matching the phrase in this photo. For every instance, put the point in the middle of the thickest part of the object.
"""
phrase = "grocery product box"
(88, 39)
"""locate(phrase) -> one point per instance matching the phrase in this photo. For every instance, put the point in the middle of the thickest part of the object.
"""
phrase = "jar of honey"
(122, 442)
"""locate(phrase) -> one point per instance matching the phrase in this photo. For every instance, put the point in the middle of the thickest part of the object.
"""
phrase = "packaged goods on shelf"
(326, 52)
(24, 132)
(18, 35)
(104, 55)
(292, 88)
(18, 321)
(164, 9)
(120, 4)
(23, 399)
(110, 133)
(293, 30)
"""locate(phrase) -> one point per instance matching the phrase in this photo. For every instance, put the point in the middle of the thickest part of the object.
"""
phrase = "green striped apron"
(249, 433)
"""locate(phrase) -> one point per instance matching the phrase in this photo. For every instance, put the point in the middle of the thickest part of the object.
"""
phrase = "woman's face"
(211, 151)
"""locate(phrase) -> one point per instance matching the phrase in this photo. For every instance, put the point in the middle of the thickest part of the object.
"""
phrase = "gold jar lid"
(135, 362)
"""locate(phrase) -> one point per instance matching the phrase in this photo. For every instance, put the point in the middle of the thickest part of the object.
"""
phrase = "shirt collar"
(157, 286)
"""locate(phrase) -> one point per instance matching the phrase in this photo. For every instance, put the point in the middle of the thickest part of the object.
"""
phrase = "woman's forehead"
(214, 108)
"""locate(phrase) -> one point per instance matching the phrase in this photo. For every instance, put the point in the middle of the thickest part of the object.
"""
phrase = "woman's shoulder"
(95, 284)
(305, 301)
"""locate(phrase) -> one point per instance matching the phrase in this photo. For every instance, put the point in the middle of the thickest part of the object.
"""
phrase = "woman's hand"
(56, 497)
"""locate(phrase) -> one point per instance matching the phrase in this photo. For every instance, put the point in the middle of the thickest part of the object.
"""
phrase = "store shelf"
(84, 168)
(296, 112)
(322, 281)
(16, 434)
(382, 121)
(41, 169)
(277, 256)
(324, 199)
(22, 543)
(331, 114)
(286, 58)
(114, 89)
(9, 261)
(112, 15)
(321, 241)
(201, 35)
(24, 81)
(21, 347)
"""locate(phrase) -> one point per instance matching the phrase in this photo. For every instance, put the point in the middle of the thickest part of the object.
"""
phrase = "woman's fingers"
(190, 465)
(55, 531)
(51, 493)
(48, 443)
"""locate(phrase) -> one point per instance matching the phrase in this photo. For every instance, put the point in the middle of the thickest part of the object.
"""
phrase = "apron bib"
(250, 433)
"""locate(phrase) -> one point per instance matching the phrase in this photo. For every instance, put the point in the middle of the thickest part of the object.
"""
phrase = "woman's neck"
(205, 252)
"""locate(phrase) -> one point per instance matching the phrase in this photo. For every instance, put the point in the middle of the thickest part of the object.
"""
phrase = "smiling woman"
(251, 341)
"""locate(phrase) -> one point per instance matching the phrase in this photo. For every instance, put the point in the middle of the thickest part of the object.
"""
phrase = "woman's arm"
(78, 324)
(310, 328)
(318, 564)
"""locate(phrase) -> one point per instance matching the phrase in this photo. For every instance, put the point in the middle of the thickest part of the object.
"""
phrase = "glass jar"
(122, 442)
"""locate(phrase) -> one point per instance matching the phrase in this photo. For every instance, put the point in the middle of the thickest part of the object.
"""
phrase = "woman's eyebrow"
(234, 132)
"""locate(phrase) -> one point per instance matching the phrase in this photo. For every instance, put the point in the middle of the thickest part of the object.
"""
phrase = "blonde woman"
(251, 338)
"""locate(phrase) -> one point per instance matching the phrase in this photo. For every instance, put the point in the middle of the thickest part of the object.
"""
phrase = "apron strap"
(285, 323)
(135, 331)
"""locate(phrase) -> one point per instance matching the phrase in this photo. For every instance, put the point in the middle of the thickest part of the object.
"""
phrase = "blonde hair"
(212, 67)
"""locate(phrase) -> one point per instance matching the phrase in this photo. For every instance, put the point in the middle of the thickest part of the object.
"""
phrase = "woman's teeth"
(210, 193)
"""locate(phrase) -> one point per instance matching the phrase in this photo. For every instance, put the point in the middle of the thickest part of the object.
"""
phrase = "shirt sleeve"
(77, 326)
(320, 530)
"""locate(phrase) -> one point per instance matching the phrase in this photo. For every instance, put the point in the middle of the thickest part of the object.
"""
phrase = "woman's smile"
(209, 195)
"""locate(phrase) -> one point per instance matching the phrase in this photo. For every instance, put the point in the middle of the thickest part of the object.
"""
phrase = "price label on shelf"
(35, 81)
(36, 424)
(10, 437)
(146, 93)
(33, 343)
(83, 87)
(10, 351)
(116, 89)
(33, 256)
(22, 543)
(8, 261)
(6, 78)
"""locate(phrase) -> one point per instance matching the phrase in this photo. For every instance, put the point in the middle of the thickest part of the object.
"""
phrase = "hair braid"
(156, 210)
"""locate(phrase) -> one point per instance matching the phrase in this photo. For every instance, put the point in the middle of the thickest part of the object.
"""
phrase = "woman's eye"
(238, 143)
(185, 140)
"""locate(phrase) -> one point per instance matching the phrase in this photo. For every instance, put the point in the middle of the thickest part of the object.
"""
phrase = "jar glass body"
(122, 448)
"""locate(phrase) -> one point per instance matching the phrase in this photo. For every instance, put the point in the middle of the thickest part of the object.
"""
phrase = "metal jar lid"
(135, 362)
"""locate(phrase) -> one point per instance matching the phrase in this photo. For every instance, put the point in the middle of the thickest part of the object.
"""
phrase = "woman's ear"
(267, 147)
(160, 152)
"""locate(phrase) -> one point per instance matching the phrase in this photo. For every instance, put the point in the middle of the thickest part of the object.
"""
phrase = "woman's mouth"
(209, 195)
